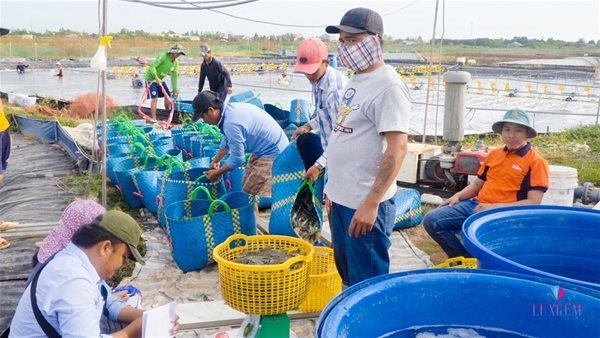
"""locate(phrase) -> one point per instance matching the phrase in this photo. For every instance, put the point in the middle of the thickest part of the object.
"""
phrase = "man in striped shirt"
(327, 85)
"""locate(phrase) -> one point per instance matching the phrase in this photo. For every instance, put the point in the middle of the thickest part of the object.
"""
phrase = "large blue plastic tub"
(547, 241)
(493, 303)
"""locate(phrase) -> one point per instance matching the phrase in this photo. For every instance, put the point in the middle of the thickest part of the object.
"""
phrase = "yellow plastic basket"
(324, 282)
(263, 289)
(459, 262)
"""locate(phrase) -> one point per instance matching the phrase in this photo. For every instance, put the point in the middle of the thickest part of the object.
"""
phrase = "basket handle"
(213, 205)
(138, 145)
(236, 237)
(310, 186)
(194, 193)
(287, 264)
(199, 178)
(149, 157)
(171, 164)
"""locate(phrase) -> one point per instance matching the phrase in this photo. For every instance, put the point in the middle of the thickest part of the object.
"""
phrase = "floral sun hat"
(76, 215)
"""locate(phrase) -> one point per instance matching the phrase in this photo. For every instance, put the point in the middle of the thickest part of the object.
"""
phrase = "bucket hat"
(516, 116)
(177, 49)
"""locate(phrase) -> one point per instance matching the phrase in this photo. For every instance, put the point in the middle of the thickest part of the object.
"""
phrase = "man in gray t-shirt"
(365, 150)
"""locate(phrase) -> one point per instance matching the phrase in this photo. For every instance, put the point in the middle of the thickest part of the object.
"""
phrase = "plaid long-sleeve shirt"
(327, 94)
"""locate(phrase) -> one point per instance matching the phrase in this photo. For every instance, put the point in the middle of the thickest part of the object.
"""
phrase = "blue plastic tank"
(548, 241)
(333, 60)
(491, 303)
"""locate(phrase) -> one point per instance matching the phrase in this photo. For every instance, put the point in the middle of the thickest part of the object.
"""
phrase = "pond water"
(484, 107)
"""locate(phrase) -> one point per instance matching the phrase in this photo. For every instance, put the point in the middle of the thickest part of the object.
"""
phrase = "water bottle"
(99, 59)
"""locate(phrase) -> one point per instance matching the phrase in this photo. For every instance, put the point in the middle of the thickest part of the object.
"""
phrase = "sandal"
(4, 226)
(4, 243)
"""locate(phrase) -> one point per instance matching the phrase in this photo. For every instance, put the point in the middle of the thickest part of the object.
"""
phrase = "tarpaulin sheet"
(68, 143)
(29, 194)
(44, 131)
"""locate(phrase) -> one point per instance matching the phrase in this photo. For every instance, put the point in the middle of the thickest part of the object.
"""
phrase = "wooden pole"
(104, 15)
(437, 2)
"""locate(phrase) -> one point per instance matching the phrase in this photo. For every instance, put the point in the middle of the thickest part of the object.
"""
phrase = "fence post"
(598, 111)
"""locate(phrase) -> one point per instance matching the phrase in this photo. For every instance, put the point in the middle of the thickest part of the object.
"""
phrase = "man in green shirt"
(164, 64)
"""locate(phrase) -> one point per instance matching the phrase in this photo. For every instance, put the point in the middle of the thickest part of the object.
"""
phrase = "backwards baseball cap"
(204, 49)
(311, 53)
(358, 20)
(177, 49)
(516, 116)
(125, 228)
(202, 101)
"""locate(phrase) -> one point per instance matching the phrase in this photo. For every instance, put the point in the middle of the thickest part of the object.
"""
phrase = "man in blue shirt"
(246, 129)
(70, 292)
(218, 76)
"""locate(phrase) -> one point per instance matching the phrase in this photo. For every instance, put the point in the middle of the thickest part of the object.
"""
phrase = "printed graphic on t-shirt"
(344, 110)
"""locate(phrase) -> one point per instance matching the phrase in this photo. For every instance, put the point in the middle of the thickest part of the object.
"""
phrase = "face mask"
(362, 54)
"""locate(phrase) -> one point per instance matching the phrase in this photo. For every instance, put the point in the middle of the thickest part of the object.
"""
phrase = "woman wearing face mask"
(365, 150)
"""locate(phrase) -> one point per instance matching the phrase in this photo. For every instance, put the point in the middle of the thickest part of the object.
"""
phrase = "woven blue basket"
(408, 208)
(149, 183)
(123, 172)
(196, 227)
(178, 186)
(289, 130)
(199, 142)
(299, 112)
(247, 97)
(280, 115)
(288, 174)
(178, 137)
(234, 179)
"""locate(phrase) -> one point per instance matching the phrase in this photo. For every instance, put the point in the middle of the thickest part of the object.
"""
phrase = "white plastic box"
(21, 100)
(563, 181)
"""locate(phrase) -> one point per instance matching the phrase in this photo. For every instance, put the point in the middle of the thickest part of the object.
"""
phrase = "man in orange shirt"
(510, 176)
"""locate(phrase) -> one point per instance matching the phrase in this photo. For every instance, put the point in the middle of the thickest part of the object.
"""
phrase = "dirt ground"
(419, 237)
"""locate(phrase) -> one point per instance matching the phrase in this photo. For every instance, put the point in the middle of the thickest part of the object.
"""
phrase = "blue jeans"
(4, 150)
(367, 256)
(443, 223)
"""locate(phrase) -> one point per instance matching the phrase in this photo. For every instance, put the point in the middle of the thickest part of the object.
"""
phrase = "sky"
(564, 20)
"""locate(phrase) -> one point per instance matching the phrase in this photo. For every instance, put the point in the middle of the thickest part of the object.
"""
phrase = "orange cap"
(311, 53)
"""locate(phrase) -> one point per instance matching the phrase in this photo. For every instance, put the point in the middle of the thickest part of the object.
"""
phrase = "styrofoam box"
(21, 100)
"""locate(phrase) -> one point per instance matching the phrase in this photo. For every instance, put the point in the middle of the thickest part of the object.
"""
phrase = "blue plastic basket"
(196, 227)
(299, 112)
(288, 174)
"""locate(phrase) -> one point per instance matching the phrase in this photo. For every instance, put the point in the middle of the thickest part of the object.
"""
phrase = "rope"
(192, 5)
